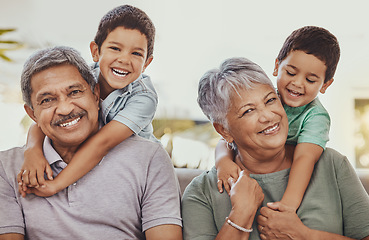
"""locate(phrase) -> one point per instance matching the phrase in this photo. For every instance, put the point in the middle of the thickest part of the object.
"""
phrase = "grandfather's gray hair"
(51, 57)
(217, 86)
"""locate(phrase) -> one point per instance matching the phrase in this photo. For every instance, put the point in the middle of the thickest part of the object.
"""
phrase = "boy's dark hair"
(316, 41)
(128, 17)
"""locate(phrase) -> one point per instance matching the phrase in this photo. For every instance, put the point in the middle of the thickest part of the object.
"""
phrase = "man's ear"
(147, 63)
(97, 93)
(276, 66)
(326, 85)
(30, 112)
(94, 51)
(223, 132)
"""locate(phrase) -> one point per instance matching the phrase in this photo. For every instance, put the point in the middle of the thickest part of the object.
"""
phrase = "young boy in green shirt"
(304, 67)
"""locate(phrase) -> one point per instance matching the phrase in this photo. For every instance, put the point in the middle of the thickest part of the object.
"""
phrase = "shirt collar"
(50, 154)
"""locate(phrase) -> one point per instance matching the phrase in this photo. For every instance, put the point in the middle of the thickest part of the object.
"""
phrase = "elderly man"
(132, 193)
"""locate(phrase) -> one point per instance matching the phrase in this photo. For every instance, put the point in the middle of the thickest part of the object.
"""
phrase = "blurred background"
(194, 36)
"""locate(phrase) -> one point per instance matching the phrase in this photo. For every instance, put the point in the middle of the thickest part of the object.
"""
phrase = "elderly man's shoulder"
(12, 159)
(139, 146)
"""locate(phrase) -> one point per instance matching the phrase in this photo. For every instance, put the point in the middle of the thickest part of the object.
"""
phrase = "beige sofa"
(185, 175)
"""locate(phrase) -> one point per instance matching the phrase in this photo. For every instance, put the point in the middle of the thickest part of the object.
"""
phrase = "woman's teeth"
(67, 124)
(271, 129)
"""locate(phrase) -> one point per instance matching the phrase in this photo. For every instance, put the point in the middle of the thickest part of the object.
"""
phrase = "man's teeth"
(269, 130)
(70, 123)
(119, 72)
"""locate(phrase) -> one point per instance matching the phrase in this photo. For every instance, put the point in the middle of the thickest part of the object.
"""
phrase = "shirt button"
(74, 184)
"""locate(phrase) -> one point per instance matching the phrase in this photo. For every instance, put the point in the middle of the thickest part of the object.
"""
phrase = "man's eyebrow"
(77, 85)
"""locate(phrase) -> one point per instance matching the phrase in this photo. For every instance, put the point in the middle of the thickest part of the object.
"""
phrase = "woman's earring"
(230, 146)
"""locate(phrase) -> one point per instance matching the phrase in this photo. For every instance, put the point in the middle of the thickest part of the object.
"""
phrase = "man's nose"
(64, 107)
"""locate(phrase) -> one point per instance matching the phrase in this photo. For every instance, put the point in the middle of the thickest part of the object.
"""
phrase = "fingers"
(49, 172)
(231, 181)
(220, 185)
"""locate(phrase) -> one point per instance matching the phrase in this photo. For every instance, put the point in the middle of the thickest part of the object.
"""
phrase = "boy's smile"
(300, 77)
(122, 58)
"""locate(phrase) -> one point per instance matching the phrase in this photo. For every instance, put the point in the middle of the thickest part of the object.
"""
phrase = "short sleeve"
(197, 212)
(315, 129)
(138, 111)
(161, 200)
(11, 217)
(355, 202)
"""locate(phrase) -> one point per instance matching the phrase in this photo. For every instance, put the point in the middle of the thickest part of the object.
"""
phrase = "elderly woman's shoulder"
(205, 182)
(332, 158)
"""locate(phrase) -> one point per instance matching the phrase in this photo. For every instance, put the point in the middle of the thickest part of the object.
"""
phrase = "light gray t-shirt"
(335, 200)
(131, 190)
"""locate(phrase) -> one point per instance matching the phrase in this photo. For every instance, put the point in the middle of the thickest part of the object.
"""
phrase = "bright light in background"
(193, 37)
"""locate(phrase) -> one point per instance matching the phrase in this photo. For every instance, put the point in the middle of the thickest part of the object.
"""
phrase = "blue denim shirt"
(134, 106)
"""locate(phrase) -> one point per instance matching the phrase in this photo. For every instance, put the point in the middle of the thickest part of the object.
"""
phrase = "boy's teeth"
(294, 93)
(119, 72)
(70, 123)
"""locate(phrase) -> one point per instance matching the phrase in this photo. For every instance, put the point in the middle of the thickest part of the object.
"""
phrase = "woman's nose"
(266, 115)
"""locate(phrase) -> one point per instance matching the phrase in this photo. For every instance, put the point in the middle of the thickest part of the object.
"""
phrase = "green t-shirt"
(335, 200)
(308, 124)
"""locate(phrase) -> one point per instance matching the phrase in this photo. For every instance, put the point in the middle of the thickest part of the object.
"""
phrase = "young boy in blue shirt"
(122, 50)
(304, 67)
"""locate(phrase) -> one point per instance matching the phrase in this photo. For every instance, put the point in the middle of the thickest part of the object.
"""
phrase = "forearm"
(91, 153)
(35, 138)
(11, 236)
(222, 152)
(299, 179)
(242, 218)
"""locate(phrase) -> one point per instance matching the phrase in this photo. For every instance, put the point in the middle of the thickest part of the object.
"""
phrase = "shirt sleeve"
(315, 129)
(138, 111)
(197, 212)
(355, 201)
(11, 217)
(161, 200)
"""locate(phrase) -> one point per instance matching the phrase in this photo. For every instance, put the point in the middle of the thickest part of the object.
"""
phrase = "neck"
(268, 161)
(66, 153)
(105, 89)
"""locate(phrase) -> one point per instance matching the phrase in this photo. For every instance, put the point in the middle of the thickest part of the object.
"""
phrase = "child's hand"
(33, 169)
(48, 189)
(227, 169)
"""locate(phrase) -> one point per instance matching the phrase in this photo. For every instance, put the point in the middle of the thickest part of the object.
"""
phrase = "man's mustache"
(69, 116)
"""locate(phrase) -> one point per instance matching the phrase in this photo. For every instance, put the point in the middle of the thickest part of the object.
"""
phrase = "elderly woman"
(244, 108)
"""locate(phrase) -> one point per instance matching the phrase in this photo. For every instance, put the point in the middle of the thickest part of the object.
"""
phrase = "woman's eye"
(310, 81)
(291, 74)
(247, 111)
(271, 100)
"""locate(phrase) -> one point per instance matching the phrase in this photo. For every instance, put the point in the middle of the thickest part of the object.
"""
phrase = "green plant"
(7, 45)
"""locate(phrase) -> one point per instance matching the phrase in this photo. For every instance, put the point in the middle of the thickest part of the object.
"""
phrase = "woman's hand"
(246, 194)
(277, 221)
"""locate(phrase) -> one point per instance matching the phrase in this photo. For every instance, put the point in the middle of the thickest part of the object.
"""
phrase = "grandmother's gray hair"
(51, 57)
(217, 86)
